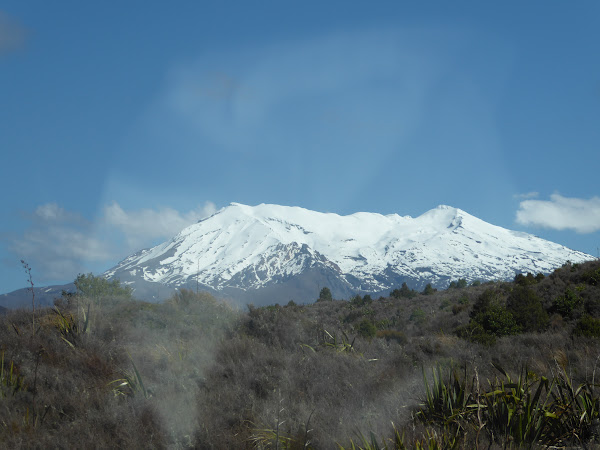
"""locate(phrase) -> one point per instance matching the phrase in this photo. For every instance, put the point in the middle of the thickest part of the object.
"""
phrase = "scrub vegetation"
(489, 365)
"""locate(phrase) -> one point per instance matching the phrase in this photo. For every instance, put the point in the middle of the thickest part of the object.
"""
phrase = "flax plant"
(10, 380)
(131, 383)
(527, 411)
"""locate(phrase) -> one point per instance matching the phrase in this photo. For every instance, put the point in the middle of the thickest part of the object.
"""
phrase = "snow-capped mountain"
(270, 253)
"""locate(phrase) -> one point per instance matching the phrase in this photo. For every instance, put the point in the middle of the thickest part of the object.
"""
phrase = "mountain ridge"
(243, 248)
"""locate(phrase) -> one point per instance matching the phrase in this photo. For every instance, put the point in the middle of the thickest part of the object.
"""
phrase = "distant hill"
(44, 296)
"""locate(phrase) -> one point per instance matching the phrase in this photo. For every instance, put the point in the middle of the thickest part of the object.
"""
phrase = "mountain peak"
(244, 248)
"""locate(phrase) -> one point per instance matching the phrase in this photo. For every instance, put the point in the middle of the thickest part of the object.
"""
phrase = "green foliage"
(331, 340)
(484, 300)
(527, 280)
(566, 304)
(95, 288)
(445, 303)
(325, 295)
(460, 284)
(463, 300)
(403, 292)
(67, 325)
(474, 332)
(186, 298)
(476, 283)
(526, 307)
(366, 328)
(456, 309)
(591, 276)
(357, 300)
(353, 315)
(539, 277)
(587, 327)
(392, 335)
(526, 411)
(429, 290)
(11, 381)
(592, 306)
(131, 384)
(418, 316)
(498, 321)
(447, 399)
(429, 440)
(489, 317)
(383, 324)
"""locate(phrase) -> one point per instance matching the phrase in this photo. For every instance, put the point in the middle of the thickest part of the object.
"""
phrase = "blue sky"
(121, 125)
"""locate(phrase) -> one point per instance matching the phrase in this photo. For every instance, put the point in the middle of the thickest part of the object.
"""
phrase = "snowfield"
(249, 247)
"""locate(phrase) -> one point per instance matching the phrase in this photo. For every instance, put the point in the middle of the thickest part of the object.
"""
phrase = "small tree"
(539, 277)
(566, 304)
(429, 289)
(357, 300)
(418, 316)
(483, 302)
(527, 309)
(525, 280)
(498, 321)
(587, 327)
(367, 329)
(96, 287)
(403, 292)
(325, 295)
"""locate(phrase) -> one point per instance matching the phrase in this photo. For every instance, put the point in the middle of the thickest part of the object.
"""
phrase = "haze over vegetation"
(480, 364)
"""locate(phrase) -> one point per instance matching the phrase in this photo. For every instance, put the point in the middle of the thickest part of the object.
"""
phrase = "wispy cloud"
(561, 213)
(234, 100)
(52, 213)
(61, 243)
(59, 252)
(145, 225)
(12, 34)
(527, 195)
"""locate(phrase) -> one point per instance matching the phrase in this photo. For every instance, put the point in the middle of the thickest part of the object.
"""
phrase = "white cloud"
(145, 225)
(59, 244)
(52, 213)
(561, 213)
(59, 252)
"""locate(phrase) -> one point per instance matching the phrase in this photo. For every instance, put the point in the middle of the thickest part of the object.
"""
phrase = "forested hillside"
(473, 365)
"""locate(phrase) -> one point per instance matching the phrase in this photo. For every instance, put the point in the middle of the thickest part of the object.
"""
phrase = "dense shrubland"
(491, 364)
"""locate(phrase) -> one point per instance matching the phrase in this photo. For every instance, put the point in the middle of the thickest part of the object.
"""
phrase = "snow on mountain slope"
(249, 247)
